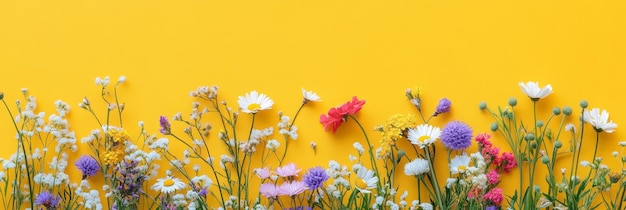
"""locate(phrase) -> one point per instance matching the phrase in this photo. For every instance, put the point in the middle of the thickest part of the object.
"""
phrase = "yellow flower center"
(361, 184)
(254, 106)
(168, 183)
(422, 139)
(462, 168)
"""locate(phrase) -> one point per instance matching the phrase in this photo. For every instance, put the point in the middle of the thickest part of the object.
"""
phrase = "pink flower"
(506, 162)
(290, 170)
(262, 173)
(495, 196)
(493, 177)
(269, 190)
(483, 140)
(337, 115)
(292, 188)
(491, 154)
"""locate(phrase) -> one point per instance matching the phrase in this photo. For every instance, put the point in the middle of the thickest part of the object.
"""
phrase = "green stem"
(369, 148)
(433, 179)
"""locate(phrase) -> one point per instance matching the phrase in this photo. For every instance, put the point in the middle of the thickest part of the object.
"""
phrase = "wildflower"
(309, 96)
(426, 206)
(337, 115)
(416, 167)
(262, 173)
(87, 165)
(493, 177)
(395, 128)
(532, 90)
(315, 178)
(292, 188)
(253, 102)
(443, 107)
(290, 170)
(456, 135)
(495, 196)
(365, 180)
(47, 200)
(166, 128)
(506, 162)
(168, 185)
(359, 148)
(459, 164)
(424, 135)
(599, 120)
(272, 144)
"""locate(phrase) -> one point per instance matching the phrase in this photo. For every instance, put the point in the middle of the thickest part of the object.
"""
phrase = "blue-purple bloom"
(491, 208)
(299, 208)
(88, 165)
(165, 126)
(47, 199)
(443, 107)
(456, 135)
(315, 178)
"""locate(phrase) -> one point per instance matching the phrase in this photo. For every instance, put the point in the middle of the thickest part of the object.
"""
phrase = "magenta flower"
(493, 177)
(292, 188)
(495, 196)
(269, 190)
(290, 170)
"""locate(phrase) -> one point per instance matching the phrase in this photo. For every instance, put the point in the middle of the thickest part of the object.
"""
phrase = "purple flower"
(443, 107)
(292, 188)
(315, 178)
(88, 165)
(269, 190)
(491, 208)
(165, 126)
(299, 208)
(456, 135)
(290, 170)
(47, 199)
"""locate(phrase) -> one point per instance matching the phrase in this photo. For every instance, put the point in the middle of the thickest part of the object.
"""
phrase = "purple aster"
(315, 178)
(456, 135)
(47, 199)
(443, 107)
(165, 126)
(87, 165)
(491, 208)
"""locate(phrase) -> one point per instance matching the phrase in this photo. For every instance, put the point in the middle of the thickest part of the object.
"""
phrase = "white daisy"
(459, 164)
(598, 120)
(253, 102)
(532, 90)
(424, 135)
(365, 180)
(416, 167)
(310, 96)
(168, 185)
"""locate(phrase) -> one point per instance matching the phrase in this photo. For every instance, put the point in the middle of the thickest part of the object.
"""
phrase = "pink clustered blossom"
(337, 115)
(493, 177)
(495, 196)
(504, 162)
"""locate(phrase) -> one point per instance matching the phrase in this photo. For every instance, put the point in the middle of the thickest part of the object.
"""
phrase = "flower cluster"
(229, 166)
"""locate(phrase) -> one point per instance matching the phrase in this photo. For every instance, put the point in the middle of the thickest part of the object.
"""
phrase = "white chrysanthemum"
(416, 167)
(459, 164)
(168, 185)
(532, 90)
(365, 180)
(253, 102)
(310, 96)
(598, 120)
(424, 135)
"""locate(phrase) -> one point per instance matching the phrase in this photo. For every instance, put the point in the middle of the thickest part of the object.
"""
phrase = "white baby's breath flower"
(424, 135)
(532, 90)
(570, 127)
(599, 121)
(272, 144)
(253, 102)
(584, 163)
(310, 96)
(358, 147)
(160, 144)
(121, 79)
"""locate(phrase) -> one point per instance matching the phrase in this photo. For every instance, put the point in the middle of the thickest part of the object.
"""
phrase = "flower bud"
(512, 101)
(545, 159)
(533, 145)
(1, 95)
(567, 110)
(529, 137)
(482, 105)
(494, 126)
(584, 104)
(556, 111)
(539, 123)
(614, 177)
(558, 144)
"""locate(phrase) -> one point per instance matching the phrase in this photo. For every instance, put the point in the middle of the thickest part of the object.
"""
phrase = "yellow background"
(468, 51)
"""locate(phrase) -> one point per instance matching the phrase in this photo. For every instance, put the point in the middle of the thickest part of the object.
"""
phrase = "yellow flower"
(395, 128)
(113, 156)
(118, 135)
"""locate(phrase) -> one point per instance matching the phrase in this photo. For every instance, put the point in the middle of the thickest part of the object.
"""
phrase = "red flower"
(337, 115)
